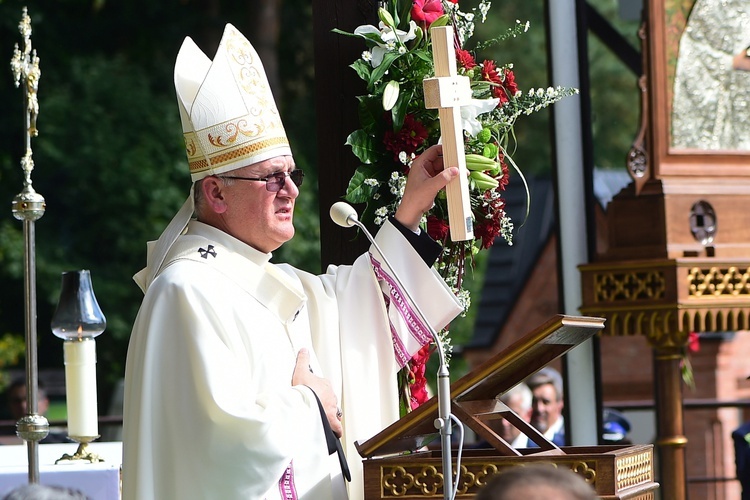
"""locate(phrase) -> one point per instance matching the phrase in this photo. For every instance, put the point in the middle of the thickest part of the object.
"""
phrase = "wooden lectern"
(400, 464)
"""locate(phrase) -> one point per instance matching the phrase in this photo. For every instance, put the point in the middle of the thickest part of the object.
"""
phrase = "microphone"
(344, 215)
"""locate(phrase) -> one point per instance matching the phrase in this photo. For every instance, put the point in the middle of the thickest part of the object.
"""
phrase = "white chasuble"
(210, 411)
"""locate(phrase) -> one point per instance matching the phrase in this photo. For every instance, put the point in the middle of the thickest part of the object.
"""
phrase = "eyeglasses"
(274, 182)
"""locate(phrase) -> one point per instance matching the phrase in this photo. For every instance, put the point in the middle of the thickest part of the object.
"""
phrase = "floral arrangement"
(396, 127)
(686, 368)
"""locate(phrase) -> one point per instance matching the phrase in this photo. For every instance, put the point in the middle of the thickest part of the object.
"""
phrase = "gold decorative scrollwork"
(633, 470)
(398, 481)
(584, 470)
(468, 480)
(718, 282)
(428, 480)
(485, 474)
(629, 286)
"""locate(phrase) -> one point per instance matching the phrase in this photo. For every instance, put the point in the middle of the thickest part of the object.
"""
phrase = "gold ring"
(339, 413)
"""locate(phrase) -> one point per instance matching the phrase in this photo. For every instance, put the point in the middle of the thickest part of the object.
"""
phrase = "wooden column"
(337, 86)
(670, 440)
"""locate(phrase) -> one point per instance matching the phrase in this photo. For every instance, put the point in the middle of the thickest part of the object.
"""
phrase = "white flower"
(403, 157)
(367, 56)
(378, 221)
(475, 108)
(484, 8)
(372, 182)
(381, 212)
(389, 39)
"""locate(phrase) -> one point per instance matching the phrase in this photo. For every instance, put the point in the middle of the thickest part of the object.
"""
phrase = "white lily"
(388, 38)
(471, 111)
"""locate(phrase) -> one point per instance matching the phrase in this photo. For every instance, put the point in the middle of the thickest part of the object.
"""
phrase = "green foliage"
(110, 160)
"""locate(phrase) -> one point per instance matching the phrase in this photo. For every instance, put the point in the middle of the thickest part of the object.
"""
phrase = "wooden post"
(447, 92)
(671, 440)
(336, 116)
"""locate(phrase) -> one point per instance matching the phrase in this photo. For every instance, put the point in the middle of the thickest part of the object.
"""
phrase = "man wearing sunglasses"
(241, 374)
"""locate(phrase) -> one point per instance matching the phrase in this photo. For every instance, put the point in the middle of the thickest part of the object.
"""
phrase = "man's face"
(508, 431)
(546, 408)
(255, 215)
(17, 402)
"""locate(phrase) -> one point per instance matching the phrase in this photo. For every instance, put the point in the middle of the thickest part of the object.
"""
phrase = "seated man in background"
(547, 387)
(18, 408)
(519, 400)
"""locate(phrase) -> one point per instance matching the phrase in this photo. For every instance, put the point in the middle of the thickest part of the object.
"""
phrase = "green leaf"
(358, 191)
(362, 68)
(363, 146)
(398, 113)
(443, 20)
(378, 72)
(424, 55)
(370, 114)
(372, 37)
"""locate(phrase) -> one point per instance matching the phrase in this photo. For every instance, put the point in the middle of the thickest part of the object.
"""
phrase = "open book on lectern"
(474, 396)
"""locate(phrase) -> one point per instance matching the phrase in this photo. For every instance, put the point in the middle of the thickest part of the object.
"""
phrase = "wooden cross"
(447, 92)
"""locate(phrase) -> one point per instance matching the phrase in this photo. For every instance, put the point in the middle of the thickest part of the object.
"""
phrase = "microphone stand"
(349, 218)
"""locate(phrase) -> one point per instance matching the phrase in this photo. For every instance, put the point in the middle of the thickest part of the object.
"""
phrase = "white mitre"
(229, 117)
(229, 121)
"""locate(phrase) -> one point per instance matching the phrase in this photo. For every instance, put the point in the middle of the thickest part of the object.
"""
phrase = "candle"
(80, 386)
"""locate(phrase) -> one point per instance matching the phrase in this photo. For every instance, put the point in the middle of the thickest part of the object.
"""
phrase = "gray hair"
(547, 375)
(43, 492)
(521, 391)
(521, 480)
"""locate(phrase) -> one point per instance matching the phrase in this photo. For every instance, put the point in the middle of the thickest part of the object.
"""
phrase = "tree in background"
(110, 159)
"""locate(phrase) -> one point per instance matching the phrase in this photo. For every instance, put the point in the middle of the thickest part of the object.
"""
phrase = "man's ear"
(214, 195)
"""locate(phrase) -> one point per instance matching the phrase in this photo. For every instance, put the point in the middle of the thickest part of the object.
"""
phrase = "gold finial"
(28, 205)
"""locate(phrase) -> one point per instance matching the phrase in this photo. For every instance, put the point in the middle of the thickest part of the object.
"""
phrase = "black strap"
(334, 443)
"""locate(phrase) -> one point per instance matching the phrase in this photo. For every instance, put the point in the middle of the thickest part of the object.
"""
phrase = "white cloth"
(209, 407)
(520, 441)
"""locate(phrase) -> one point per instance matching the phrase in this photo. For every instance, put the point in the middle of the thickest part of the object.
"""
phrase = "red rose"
(426, 11)
(693, 342)
(418, 387)
(503, 86)
(437, 228)
(465, 59)
(510, 82)
(487, 231)
(409, 139)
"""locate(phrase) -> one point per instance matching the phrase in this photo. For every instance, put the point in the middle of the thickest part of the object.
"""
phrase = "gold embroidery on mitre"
(233, 129)
(200, 165)
(190, 148)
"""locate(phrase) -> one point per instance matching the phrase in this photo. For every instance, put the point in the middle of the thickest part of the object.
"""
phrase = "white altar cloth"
(99, 481)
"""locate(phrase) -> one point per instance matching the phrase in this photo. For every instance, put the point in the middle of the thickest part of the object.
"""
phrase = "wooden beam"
(337, 86)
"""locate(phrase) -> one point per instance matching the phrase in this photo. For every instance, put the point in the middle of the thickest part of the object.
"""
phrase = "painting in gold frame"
(675, 25)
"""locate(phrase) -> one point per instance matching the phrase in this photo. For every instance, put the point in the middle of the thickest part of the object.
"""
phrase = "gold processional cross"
(25, 66)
